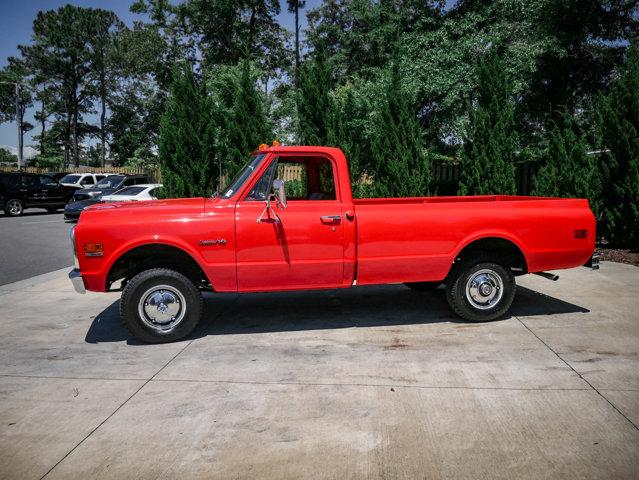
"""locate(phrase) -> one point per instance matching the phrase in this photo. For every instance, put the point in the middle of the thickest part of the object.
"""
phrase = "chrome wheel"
(162, 308)
(484, 289)
(14, 207)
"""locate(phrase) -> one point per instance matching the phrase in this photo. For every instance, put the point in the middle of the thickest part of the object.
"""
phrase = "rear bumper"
(78, 282)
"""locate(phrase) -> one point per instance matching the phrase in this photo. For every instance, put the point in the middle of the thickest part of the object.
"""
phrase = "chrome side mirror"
(280, 192)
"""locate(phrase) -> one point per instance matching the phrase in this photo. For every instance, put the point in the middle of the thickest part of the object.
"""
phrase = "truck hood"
(134, 211)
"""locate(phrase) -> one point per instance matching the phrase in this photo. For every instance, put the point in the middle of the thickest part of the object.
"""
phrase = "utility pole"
(18, 120)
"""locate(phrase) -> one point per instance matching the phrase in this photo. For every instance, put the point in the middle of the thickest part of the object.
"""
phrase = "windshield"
(241, 177)
(111, 181)
(70, 179)
(130, 191)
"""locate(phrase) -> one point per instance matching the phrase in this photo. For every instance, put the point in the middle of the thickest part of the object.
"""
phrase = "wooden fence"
(152, 173)
(445, 174)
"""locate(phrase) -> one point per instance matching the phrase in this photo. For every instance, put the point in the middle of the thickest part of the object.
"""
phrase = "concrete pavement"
(373, 382)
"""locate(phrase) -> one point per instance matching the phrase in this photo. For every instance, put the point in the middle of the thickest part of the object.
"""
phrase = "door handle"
(330, 218)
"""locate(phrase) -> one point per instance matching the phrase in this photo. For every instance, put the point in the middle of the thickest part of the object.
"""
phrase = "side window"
(47, 181)
(88, 180)
(326, 182)
(27, 181)
(141, 180)
(295, 176)
(305, 178)
(128, 182)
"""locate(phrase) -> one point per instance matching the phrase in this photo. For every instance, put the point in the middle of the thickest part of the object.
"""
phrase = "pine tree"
(242, 119)
(402, 168)
(315, 107)
(488, 160)
(351, 130)
(619, 118)
(187, 139)
(567, 170)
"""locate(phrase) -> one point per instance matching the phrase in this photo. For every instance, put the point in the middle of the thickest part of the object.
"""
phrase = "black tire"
(14, 207)
(470, 304)
(423, 286)
(186, 298)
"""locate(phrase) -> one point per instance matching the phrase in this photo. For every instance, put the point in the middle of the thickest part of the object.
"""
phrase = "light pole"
(18, 120)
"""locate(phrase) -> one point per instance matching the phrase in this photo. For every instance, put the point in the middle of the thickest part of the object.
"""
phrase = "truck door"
(300, 246)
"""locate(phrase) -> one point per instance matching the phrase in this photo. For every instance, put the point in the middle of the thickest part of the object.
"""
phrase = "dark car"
(108, 185)
(73, 210)
(90, 196)
(19, 191)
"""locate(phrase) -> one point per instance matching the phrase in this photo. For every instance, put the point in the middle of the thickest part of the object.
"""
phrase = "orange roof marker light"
(262, 146)
(276, 143)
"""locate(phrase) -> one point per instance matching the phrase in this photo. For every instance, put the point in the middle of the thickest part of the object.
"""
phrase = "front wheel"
(480, 290)
(160, 305)
(14, 207)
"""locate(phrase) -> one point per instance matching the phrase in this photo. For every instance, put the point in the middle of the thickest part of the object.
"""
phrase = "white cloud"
(28, 151)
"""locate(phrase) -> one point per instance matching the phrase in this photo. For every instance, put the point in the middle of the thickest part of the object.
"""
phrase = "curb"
(33, 281)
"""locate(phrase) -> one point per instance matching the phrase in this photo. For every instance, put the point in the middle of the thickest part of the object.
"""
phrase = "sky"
(16, 19)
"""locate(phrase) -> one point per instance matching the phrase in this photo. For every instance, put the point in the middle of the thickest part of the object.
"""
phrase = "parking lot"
(34, 243)
(373, 382)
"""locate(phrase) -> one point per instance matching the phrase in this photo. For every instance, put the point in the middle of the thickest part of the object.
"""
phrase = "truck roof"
(299, 148)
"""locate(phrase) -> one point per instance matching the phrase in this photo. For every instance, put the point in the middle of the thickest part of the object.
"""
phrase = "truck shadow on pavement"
(386, 305)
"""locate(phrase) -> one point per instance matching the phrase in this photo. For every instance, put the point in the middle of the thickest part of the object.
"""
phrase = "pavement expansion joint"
(578, 374)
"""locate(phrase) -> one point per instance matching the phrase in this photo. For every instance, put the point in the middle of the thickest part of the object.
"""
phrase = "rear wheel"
(423, 286)
(480, 290)
(14, 207)
(160, 305)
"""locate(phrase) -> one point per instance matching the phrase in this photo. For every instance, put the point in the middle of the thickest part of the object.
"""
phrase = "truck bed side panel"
(418, 241)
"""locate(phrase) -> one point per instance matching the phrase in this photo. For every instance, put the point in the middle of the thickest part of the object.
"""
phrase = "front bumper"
(76, 279)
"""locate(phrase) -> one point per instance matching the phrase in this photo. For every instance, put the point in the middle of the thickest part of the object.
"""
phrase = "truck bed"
(417, 239)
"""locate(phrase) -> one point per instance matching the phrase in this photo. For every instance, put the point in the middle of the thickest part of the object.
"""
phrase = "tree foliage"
(401, 166)
(387, 81)
(7, 157)
(568, 171)
(619, 116)
(241, 115)
(315, 108)
(187, 139)
(488, 160)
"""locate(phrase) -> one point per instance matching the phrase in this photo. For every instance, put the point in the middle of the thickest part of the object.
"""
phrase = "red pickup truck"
(288, 221)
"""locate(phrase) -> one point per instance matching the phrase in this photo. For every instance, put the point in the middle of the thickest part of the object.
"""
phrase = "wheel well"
(499, 249)
(150, 256)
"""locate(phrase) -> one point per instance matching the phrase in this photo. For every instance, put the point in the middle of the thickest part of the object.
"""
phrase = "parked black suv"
(19, 191)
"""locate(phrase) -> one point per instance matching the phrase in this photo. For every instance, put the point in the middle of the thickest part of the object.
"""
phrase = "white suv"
(82, 180)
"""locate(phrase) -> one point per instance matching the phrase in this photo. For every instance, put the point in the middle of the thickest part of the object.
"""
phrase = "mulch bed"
(619, 255)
